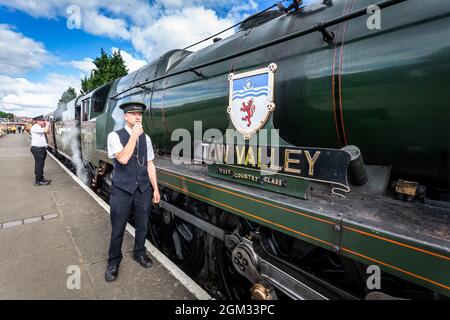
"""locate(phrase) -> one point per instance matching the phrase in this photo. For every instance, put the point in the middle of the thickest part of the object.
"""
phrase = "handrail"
(321, 27)
(233, 26)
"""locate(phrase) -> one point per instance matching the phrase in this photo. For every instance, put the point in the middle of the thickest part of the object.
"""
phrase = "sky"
(48, 45)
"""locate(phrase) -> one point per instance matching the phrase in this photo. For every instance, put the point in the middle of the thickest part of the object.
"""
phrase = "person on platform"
(39, 149)
(134, 185)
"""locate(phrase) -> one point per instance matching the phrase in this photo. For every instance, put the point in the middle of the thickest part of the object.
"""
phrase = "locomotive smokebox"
(356, 171)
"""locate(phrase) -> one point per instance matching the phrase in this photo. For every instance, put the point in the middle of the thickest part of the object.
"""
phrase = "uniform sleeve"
(37, 129)
(114, 145)
(150, 153)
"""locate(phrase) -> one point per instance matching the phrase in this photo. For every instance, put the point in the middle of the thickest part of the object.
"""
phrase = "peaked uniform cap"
(133, 107)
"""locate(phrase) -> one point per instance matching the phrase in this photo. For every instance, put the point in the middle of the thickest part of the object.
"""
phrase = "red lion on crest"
(250, 109)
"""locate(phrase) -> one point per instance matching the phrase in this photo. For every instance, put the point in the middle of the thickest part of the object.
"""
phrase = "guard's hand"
(137, 130)
(156, 196)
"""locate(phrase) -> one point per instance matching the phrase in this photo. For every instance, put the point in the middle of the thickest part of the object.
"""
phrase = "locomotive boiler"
(373, 89)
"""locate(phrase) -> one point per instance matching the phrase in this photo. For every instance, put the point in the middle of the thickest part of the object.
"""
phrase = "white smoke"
(69, 133)
(82, 173)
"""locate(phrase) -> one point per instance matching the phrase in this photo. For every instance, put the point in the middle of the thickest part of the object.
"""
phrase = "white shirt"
(38, 136)
(115, 146)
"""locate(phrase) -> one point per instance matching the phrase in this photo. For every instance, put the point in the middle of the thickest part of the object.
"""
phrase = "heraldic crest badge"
(251, 99)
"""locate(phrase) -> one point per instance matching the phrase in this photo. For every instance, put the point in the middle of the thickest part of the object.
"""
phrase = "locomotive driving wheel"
(233, 284)
(179, 240)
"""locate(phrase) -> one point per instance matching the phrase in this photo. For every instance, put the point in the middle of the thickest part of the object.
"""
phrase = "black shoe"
(144, 261)
(42, 183)
(111, 273)
(46, 181)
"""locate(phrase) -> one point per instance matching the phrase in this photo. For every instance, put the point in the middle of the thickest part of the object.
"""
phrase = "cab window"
(85, 110)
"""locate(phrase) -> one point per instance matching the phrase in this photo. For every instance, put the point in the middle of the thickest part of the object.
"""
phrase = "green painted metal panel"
(407, 258)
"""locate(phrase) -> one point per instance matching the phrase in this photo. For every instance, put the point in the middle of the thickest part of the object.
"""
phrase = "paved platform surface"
(46, 229)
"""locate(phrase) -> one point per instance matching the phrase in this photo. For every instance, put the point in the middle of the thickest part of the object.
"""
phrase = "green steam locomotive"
(357, 107)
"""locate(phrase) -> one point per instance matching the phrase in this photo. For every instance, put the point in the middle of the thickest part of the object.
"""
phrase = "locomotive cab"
(93, 123)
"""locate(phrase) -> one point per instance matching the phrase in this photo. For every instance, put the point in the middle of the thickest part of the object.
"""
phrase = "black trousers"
(121, 203)
(40, 154)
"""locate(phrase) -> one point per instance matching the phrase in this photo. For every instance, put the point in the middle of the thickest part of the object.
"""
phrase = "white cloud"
(19, 54)
(100, 25)
(152, 28)
(240, 11)
(101, 18)
(131, 62)
(85, 65)
(177, 30)
(216, 4)
(27, 98)
(32, 7)
(138, 12)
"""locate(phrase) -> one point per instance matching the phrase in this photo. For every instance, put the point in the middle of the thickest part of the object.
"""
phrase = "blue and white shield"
(251, 99)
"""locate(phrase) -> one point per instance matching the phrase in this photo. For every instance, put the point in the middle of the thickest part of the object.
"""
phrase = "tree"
(8, 116)
(108, 67)
(68, 95)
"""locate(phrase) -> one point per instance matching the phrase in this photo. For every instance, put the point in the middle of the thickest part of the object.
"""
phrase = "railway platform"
(54, 240)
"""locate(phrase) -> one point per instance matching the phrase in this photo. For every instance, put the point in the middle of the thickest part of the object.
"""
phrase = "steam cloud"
(69, 134)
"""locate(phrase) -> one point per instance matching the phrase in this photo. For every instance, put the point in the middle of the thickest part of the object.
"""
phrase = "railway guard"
(134, 182)
(38, 148)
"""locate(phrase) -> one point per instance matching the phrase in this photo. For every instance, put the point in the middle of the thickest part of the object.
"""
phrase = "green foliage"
(5, 115)
(109, 67)
(68, 95)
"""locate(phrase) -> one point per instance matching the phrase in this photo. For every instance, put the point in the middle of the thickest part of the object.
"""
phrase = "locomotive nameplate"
(283, 169)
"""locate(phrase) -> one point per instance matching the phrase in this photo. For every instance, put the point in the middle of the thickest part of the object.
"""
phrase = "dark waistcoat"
(134, 174)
